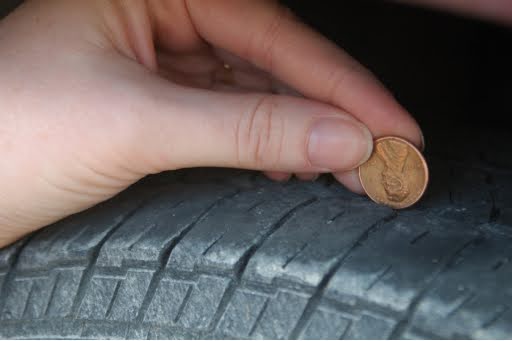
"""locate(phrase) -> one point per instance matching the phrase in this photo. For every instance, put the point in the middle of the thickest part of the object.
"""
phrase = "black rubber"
(228, 254)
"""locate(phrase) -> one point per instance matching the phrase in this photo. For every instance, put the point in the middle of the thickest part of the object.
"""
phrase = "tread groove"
(89, 270)
(259, 317)
(27, 301)
(52, 294)
(295, 255)
(314, 235)
(146, 230)
(456, 309)
(419, 237)
(113, 299)
(256, 205)
(183, 304)
(379, 277)
(449, 291)
(12, 270)
(166, 254)
(495, 318)
(336, 216)
(451, 260)
(500, 263)
(244, 259)
(74, 238)
(226, 299)
(213, 243)
(346, 331)
(316, 298)
(141, 235)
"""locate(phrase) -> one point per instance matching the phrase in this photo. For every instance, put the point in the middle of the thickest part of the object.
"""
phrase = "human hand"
(97, 94)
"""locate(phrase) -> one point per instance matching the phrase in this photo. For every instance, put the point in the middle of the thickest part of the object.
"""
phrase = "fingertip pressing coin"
(396, 174)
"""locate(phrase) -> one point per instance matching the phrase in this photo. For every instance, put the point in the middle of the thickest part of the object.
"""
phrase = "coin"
(396, 174)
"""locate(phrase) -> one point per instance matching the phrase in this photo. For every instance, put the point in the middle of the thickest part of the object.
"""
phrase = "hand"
(97, 94)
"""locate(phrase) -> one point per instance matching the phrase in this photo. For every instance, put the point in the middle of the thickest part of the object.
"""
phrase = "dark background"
(447, 70)
(7, 5)
(450, 72)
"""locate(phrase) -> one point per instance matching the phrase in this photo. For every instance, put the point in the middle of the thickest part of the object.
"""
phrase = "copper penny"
(396, 173)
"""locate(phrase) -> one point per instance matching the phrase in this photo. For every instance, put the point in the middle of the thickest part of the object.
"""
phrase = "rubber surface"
(217, 253)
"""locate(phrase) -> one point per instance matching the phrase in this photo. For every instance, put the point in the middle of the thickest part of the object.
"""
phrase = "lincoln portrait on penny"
(394, 156)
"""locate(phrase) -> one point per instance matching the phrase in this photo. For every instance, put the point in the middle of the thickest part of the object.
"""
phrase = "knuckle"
(263, 44)
(340, 79)
(260, 135)
(335, 82)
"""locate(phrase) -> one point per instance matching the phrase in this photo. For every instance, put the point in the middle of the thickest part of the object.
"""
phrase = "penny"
(396, 174)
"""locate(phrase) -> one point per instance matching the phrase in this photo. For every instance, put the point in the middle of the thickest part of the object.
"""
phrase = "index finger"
(267, 35)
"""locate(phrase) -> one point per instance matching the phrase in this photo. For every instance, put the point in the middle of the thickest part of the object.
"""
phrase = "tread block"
(72, 240)
(325, 325)
(370, 327)
(7, 254)
(280, 316)
(99, 297)
(143, 236)
(64, 292)
(498, 326)
(50, 329)
(103, 330)
(131, 293)
(204, 300)
(137, 332)
(456, 305)
(220, 243)
(170, 333)
(292, 236)
(417, 335)
(308, 244)
(39, 298)
(17, 300)
(2, 279)
(187, 304)
(115, 297)
(167, 301)
(242, 313)
(407, 250)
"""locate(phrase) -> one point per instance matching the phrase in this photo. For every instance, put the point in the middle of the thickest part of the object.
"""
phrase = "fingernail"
(422, 147)
(338, 144)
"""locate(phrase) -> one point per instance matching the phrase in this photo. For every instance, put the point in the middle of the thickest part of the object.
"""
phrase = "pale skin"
(97, 94)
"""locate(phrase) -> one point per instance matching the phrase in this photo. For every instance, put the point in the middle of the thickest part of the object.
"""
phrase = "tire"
(227, 254)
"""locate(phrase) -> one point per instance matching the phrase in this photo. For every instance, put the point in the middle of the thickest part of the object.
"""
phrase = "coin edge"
(423, 161)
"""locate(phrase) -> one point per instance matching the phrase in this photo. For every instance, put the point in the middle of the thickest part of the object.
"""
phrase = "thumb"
(195, 128)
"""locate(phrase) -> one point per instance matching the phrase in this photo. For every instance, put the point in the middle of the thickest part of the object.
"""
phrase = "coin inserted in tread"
(396, 174)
